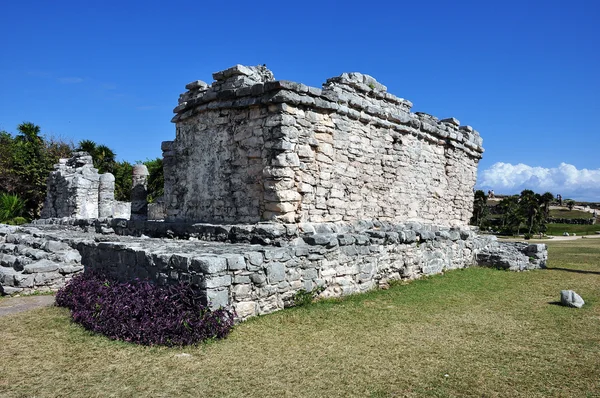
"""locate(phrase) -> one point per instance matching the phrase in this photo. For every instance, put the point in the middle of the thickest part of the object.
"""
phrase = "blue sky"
(523, 73)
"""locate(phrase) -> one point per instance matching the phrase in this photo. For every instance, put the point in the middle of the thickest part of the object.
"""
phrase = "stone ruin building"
(77, 190)
(273, 187)
(249, 148)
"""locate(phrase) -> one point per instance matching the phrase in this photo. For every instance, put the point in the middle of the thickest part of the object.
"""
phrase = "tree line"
(527, 212)
(27, 158)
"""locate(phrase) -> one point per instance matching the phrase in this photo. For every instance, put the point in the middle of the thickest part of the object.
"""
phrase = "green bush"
(304, 297)
(17, 221)
(11, 208)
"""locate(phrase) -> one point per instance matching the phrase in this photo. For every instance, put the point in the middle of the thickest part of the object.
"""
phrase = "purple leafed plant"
(142, 312)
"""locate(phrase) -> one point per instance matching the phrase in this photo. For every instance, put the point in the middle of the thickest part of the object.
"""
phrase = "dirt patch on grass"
(13, 305)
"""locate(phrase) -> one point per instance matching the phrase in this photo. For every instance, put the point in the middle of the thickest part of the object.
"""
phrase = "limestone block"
(245, 309)
(275, 272)
(106, 195)
(217, 298)
(208, 265)
(571, 299)
(235, 261)
(212, 282)
(40, 266)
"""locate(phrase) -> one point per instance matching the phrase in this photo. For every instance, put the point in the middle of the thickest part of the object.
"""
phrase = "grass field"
(475, 332)
(566, 213)
(558, 229)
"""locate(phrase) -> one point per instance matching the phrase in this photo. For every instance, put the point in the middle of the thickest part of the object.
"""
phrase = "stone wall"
(34, 263)
(77, 190)
(249, 149)
(232, 269)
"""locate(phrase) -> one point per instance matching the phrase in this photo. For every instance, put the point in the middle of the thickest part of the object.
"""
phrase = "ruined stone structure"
(250, 149)
(274, 187)
(139, 193)
(77, 190)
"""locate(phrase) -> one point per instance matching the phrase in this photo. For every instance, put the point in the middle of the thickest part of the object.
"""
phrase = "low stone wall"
(268, 264)
(30, 262)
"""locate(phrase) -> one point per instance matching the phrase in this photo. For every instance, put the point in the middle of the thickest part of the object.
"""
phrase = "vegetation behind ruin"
(28, 157)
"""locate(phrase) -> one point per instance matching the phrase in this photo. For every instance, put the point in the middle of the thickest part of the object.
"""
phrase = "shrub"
(142, 312)
(17, 221)
(11, 207)
(304, 297)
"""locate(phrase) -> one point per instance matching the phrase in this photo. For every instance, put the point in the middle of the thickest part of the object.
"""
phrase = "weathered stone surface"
(272, 187)
(571, 299)
(209, 265)
(9, 290)
(514, 256)
(256, 150)
(139, 193)
(218, 298)
(77, 190)
(275, 272)
(40, 266)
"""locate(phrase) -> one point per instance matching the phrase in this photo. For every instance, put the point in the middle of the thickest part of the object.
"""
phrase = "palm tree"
(546, 199)
(530, 207)
(480, 208)
(29, 133)
(88, 146)
(104, 159)
(103, 156)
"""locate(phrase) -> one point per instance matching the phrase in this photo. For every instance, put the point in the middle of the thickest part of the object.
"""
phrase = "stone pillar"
(106, 195)
(139, 193)
(169, 167)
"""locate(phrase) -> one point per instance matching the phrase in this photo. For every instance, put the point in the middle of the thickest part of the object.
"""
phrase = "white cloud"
(70, 80)
(566, 179)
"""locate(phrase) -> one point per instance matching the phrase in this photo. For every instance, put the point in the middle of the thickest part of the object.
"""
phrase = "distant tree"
(156, 179)
(27, 159)
(511, 219)
(88, 146)
(547, 198)
(58, 148)
(480, 208)
(31, 165)
(123, 172)
(104, 159)
(570, 204)
(102, 156)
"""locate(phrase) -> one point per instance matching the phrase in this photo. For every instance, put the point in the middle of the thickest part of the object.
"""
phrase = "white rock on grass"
(571, 299)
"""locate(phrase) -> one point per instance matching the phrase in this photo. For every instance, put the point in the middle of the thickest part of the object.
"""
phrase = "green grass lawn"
(558, 229)
(475, 332)
(566, 213)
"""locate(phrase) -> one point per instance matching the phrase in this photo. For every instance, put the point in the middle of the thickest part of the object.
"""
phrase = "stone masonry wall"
(31, 262)
(231, 269)
(251, 149)
(77, 190)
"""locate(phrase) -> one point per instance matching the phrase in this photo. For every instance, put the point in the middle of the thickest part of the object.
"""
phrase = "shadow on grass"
(556, 303)
(579, 271)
